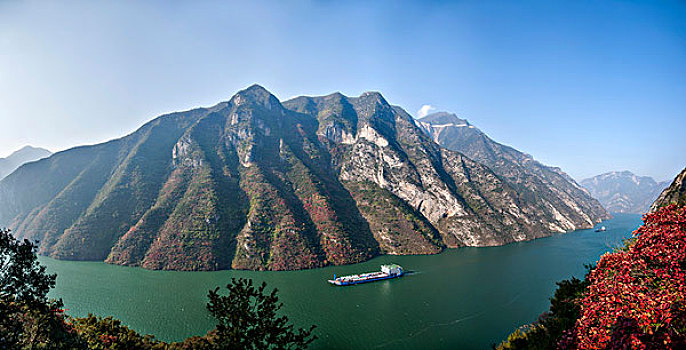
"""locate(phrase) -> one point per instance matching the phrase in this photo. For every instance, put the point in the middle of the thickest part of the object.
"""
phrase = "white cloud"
(422, 112)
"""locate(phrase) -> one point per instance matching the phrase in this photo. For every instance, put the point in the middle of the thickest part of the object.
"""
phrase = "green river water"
(467, 298)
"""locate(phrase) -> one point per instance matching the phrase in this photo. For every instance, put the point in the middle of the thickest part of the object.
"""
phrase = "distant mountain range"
(624, 192)
(557, 194)
(254, 183)
(674, 194)
(16, 159)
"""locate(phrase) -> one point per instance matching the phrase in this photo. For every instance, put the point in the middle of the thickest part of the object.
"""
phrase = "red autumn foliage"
(108, 340)
(637, 298)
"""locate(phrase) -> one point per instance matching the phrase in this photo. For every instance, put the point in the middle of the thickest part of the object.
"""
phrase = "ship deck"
(361, 278)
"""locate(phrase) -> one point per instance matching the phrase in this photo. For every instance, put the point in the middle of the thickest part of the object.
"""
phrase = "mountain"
(16, 159)
(674, 194)
(554, 193)
(624, 192)
(253, 183)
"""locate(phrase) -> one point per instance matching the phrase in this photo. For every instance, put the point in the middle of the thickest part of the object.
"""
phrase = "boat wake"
(443, 324)
(514, 298)
(423, 330)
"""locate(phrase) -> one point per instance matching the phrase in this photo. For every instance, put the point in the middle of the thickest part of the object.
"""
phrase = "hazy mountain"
(674, 194)
(624, 192)
(555, 192)
(24, 155)
(256, 184)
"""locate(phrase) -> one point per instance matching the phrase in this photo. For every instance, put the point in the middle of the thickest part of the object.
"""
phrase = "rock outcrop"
(674, 194)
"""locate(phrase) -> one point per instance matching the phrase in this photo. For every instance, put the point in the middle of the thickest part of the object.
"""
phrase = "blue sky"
(590, 86)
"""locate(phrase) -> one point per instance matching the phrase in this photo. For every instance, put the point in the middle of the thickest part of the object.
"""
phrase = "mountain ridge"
(624, 192)
(19, 157)
(544, 184)
(255, 183)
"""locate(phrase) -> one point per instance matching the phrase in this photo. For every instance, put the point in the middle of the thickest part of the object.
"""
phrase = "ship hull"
(338, 282)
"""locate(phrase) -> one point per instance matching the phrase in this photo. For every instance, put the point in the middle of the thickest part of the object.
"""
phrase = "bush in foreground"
(634, 299)
(563, 313)
(27, 317)
(247, 319)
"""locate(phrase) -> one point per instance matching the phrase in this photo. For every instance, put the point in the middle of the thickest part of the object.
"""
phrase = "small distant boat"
(387, 272)
(601, 229)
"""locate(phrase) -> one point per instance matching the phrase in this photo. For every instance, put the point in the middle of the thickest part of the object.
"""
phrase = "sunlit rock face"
(674, 194)
(561, 204)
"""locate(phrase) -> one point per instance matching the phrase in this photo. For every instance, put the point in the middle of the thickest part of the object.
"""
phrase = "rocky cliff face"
(557, 196)
(674, 194)
(252, 183)
(381, 147)
(624, 192)
(16, 159)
